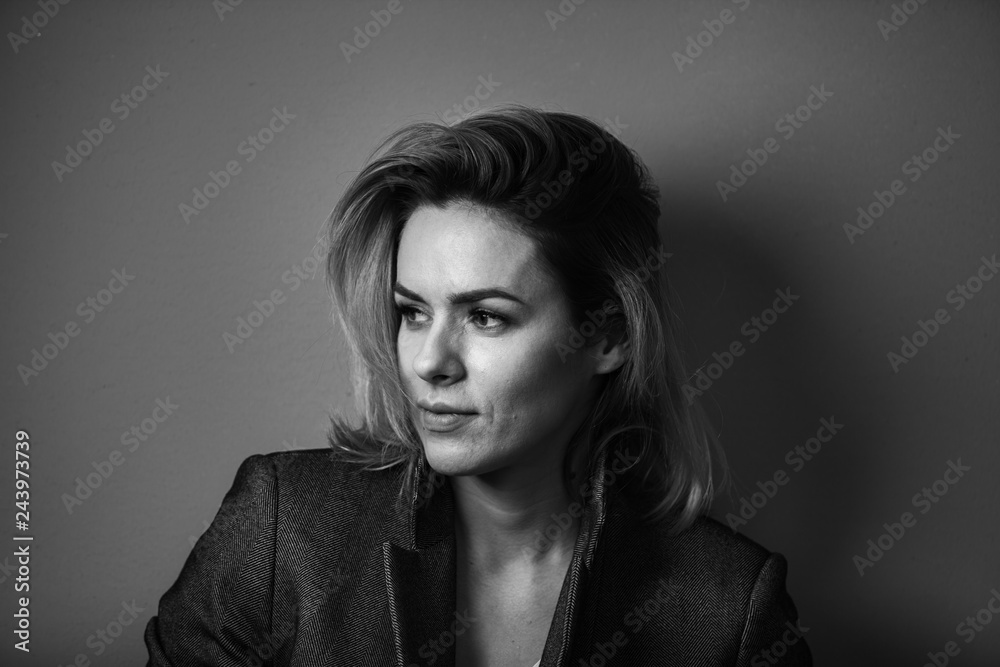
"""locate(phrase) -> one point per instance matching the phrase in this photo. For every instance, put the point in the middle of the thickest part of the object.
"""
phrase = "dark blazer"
(309, 563)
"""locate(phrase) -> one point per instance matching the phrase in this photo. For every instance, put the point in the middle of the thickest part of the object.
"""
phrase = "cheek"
(531, 380)
(407, 348)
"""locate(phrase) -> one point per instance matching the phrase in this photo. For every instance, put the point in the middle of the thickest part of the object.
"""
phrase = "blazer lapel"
(420, 584)
(574, 615)
(420, 579)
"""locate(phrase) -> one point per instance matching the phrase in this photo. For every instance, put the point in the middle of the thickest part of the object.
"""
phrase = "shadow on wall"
(776, 393)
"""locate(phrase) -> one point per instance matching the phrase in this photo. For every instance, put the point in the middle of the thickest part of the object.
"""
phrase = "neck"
(515, 523)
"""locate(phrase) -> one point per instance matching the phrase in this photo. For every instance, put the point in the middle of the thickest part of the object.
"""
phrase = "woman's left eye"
(481, 314)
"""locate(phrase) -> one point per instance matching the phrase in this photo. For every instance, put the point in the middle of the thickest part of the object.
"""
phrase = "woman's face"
(481, 321)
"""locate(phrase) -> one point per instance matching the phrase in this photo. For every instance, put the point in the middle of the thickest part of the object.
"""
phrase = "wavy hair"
(592, 208)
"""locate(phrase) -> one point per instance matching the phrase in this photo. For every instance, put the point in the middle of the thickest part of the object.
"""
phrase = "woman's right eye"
(407, 313)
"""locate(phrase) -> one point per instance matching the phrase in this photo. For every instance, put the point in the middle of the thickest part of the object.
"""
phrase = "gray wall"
(162, 336)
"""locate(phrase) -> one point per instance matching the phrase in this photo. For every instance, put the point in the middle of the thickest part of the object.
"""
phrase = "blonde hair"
(592, 208)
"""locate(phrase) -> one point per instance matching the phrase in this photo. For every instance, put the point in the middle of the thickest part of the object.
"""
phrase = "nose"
(438, 359)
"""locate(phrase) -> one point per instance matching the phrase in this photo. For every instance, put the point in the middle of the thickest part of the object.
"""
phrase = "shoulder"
(292, 492)
(716, 551)
(707, 566)
(283, 527)
(309, 465)
(310, 477)
(710, 559)
(706, 553)
(747, 584)
(707, 585)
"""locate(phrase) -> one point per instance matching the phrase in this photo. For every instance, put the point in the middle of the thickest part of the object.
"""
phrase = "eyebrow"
(463, 297)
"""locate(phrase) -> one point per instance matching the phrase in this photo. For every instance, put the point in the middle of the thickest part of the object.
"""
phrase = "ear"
(608, 358)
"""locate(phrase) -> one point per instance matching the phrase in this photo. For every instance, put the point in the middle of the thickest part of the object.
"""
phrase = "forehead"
(462, 248)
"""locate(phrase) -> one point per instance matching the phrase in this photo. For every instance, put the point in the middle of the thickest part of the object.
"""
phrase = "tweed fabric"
(308, 563)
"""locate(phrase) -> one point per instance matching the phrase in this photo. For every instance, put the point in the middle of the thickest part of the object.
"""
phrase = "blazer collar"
(420, 573)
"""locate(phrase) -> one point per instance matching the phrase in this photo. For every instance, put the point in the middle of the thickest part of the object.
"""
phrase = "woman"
(528, 482)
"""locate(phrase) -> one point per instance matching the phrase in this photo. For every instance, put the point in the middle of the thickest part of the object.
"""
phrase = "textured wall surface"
(894, 83)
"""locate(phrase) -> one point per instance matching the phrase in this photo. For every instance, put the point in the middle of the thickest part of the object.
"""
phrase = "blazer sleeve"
(218, 612)
(772, 634)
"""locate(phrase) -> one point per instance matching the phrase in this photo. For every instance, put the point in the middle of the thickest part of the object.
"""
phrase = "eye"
(407, 313)
(483, 318)
(481, 314)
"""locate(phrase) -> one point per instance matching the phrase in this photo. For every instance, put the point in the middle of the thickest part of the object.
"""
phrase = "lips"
(442, 417)
(444, 408)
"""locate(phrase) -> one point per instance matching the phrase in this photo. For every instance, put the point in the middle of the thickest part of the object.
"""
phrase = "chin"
(455, 457)
(449, 457)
